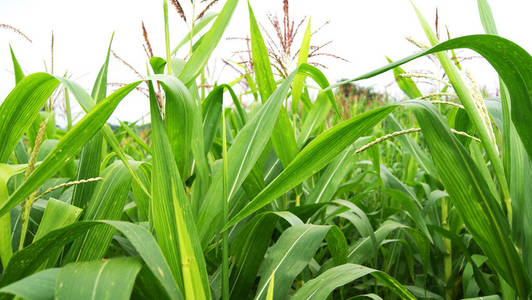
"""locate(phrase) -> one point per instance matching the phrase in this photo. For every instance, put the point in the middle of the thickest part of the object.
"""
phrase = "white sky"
(363, 32)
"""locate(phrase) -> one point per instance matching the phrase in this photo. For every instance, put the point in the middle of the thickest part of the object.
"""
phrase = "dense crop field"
(312, 190)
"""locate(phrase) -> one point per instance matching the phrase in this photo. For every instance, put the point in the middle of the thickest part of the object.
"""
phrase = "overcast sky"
(363, 32)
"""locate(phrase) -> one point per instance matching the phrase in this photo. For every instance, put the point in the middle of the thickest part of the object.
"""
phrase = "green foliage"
(309, 196)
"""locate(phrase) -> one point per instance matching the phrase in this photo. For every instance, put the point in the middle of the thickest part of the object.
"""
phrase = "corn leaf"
(28, 260)
(91, 154)
(245, 151)
(470, 193)
(287, 258)
(172, 214)
(316, 155)
(69, 145)
(283, 137)
(321, 286)
(107, 203)
(108, 279)
(209, 41)
(297, 87)
(39, 286)
(19, 74)
(21, 107)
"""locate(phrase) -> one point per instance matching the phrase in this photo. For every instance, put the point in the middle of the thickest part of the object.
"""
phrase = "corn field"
(308, 191)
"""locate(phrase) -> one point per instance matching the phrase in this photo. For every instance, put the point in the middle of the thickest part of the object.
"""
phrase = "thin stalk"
(192, 21)
(467, 99)
(50, 101)
(448, 259)
(225, 234)
(68, 110)
(6, 250)
(203, 83)
(167, 38)
(27, 203)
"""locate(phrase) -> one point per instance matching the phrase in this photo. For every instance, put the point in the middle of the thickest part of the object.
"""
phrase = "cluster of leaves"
(274, 201)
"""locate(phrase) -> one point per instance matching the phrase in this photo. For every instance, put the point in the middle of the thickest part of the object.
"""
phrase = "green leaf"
(283, 137)
(421, 157)
(108, 279)
(321, 286)
(337, 245)
(198, 26)
(57, 214)
(246, 149)
(471, 195)
(212, 112)
(91, 154)
(107, 203)
(297, 87)
(513, 63)
(172, 215)
(366, 247)
(313, 157)
(27, 260)
(87, 103)
(332, 177)
(486, 17)
(21, 107)
(407, 85)
(287, 258)
(19, 74)
(39, 286)
(210, 40)
(69, 144)
(248, 249)
(179, 117)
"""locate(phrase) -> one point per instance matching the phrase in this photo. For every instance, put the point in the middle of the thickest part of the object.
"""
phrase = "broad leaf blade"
(321, 286)
(109, 279)
(287, 258)
(172, 214)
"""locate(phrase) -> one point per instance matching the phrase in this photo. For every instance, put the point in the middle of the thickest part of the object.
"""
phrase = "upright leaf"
(469, 192)
(91, 154)
(283, 137)
(172, 215)
(210, 40)
(287, 258)
(245, 151)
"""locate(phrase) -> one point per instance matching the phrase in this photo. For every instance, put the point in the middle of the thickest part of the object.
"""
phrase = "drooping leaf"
(26, 261)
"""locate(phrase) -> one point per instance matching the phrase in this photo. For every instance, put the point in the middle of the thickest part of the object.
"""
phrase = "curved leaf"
(70, 144)
(470, 193)
(313, 157)
(287, 258)
(39, 286)
(29, 259)
(321, 286)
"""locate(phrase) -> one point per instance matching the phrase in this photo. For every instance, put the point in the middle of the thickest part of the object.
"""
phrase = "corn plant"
(296, 196)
